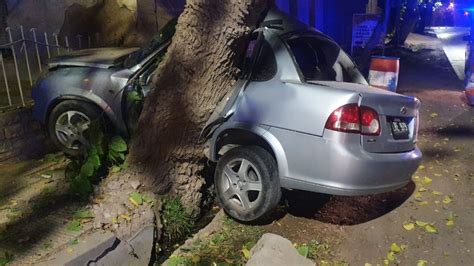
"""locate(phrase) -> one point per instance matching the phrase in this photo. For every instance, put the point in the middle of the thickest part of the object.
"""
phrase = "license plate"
(399, 129)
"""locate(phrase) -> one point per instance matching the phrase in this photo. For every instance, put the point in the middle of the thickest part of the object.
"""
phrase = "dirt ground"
(444, 189)
(38, 214)
(441, 194)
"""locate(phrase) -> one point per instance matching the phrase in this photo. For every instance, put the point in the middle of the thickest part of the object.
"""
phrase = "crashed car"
(303, 117)
(106, 85)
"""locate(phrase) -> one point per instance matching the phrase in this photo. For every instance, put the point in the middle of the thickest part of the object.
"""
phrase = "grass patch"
(177, 222)
(6, 259)
(230, 246)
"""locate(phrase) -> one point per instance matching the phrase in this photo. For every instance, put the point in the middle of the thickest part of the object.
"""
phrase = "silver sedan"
(303, 117)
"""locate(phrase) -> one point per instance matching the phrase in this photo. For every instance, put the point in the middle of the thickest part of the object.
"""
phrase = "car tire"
(67, 123)
(247, 183)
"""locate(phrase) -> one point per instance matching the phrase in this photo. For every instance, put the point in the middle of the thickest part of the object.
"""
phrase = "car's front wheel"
(68, 123)
(247, 183)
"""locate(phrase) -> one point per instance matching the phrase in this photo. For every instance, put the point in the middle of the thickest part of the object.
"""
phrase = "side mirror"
(384, 72)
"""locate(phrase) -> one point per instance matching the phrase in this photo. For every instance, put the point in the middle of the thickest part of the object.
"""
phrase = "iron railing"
(22, 60)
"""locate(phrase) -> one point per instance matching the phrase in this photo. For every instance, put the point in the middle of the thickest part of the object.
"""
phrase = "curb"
(104, 248)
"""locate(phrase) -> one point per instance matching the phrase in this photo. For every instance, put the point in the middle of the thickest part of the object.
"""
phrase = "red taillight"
(354, 119)
(370, 124)
(345, 119)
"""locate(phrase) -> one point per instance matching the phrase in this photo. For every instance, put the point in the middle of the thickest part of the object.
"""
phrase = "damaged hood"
(98, 58)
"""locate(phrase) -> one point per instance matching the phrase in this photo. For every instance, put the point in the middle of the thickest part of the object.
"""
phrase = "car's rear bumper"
(365, 177)
(337, 164)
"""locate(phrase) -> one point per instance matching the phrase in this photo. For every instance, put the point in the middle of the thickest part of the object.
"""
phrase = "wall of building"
(114, 22)
(21, 136)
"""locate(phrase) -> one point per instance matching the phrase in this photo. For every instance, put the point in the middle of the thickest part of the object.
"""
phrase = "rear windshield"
(320, 59)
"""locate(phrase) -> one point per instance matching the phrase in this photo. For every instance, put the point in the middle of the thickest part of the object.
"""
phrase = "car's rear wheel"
(247, 183)
(68, 124)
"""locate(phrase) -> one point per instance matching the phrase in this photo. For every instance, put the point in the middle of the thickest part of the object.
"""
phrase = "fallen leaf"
(391, 256)
(246, 253)
(115, 169)
(395, 248)
(422, 189)
(434, 115)
(437, 193)
(368, 264)
(431, 229)
(421, 167)
(303, 251)
(422, 263)
(421, 223)
(403, 247)
(423, 203)
(409, 226)
(324, 263)
(136, 198)
(457, 149)
(426, 180)
(418, 195)
(447, 200)
(450, 223)
(126, 217)
(47, 176)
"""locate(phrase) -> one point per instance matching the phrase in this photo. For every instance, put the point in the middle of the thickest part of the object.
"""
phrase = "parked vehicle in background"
(303, 117)
(106, 85)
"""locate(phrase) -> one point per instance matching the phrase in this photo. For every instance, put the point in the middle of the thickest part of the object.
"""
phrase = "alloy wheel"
(70, 128)
(241, 184)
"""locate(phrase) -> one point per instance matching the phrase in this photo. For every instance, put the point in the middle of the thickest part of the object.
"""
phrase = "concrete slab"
(104, 248)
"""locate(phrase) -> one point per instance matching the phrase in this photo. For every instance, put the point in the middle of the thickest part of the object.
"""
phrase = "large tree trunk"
(380, 32)
(410, 18)
(198, 71)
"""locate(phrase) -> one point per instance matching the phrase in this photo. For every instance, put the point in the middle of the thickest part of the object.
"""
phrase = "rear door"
(226, 107)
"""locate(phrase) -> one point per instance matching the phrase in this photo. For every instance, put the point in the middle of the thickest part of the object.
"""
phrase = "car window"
(266, 65)
(320, 59)
(248, 61)
(315, 58)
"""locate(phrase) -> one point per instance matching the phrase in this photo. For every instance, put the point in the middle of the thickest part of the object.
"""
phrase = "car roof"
(284, 25)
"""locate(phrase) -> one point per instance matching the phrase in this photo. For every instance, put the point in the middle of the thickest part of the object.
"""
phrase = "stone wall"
(21, 136)
(116, 22)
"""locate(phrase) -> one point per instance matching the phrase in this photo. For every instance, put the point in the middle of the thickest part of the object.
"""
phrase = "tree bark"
(198, 71)
(411, 17)
(379, 33)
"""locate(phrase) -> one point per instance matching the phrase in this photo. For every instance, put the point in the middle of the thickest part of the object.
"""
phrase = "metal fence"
(23, 57)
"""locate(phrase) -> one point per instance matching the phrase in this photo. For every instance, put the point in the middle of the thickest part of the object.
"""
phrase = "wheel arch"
(240, 135)
(101, 105)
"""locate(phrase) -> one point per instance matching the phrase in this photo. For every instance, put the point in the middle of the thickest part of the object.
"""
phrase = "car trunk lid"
(398, 115)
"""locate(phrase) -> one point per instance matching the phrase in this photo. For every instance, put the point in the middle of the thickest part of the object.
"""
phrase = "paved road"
(454, 46)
